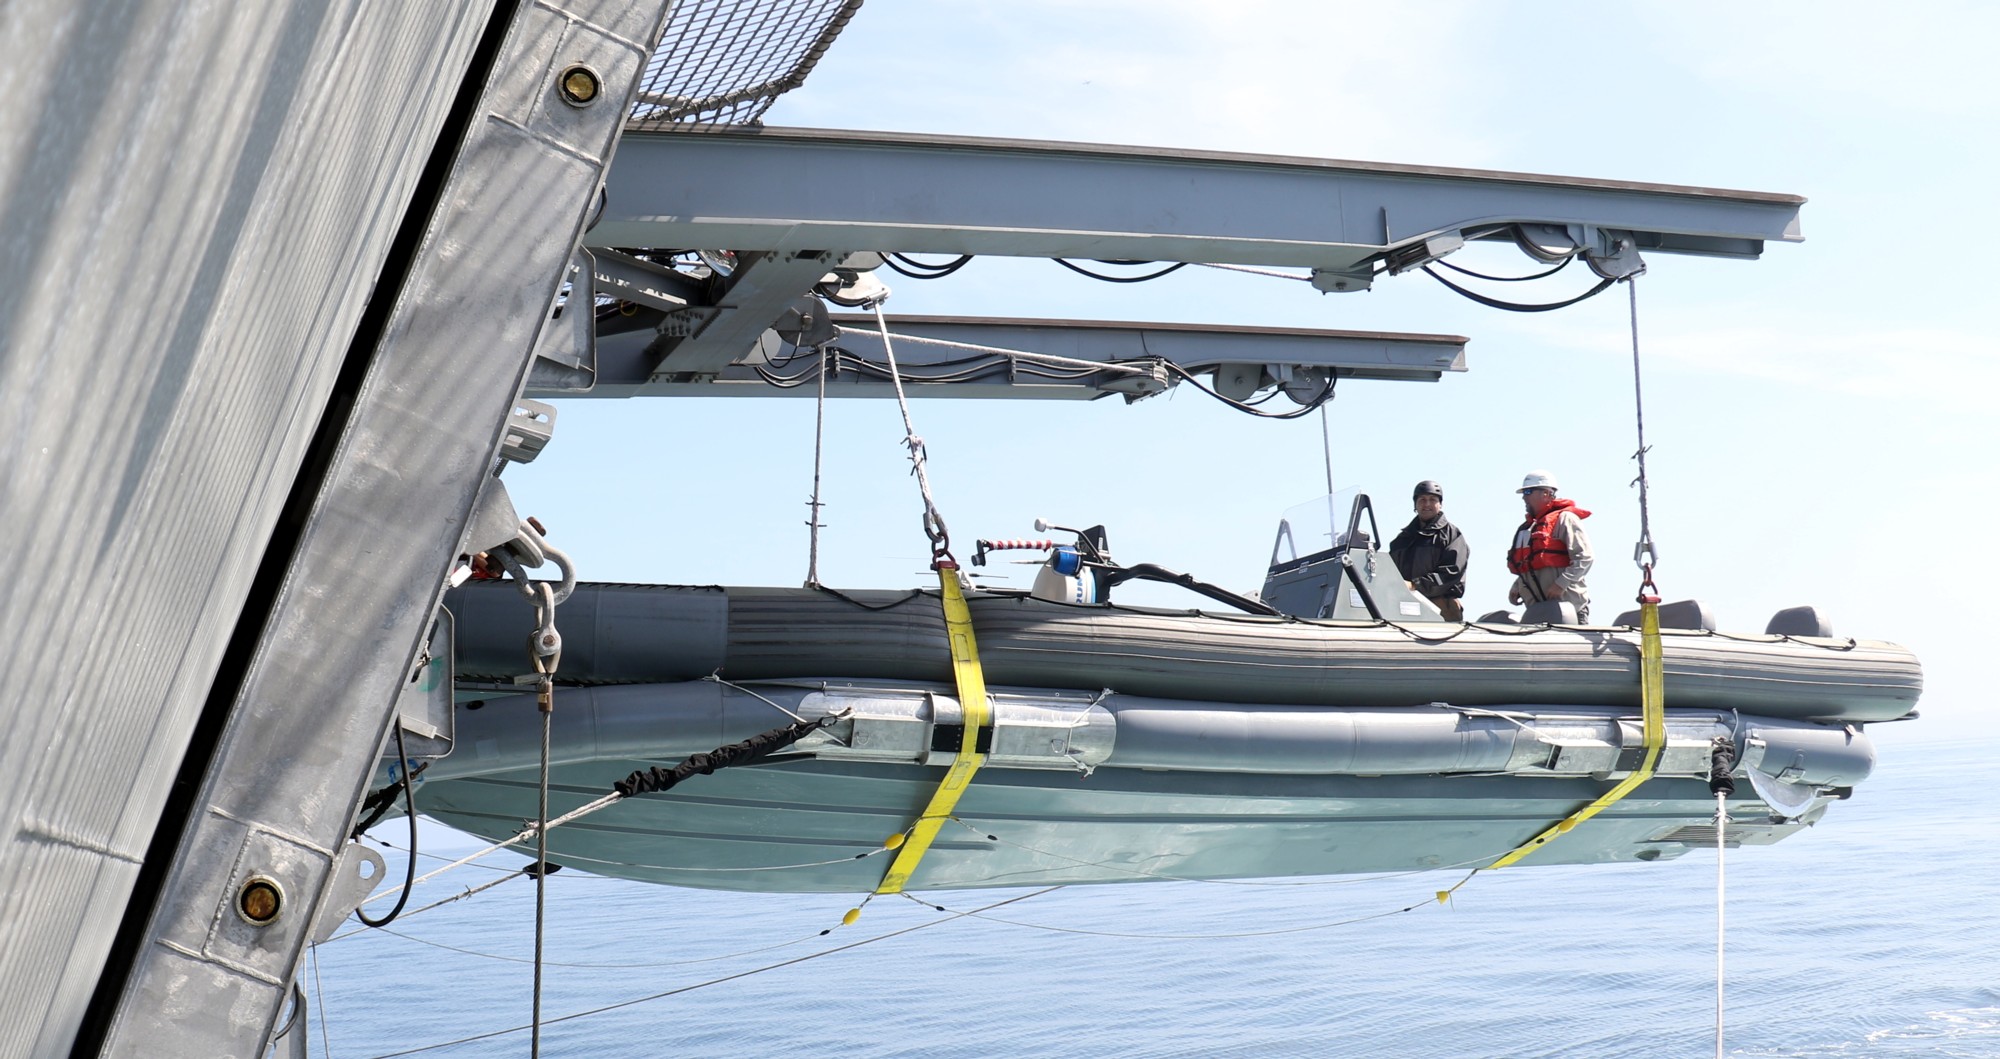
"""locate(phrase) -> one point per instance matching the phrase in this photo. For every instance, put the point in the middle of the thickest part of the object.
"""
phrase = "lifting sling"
(1653, 717)
(972, 698)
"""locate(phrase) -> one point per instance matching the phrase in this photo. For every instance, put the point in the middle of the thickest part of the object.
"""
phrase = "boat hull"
(1151, 789)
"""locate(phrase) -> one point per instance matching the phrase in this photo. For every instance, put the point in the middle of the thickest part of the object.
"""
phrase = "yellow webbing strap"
(1653, 715)
(972, 699)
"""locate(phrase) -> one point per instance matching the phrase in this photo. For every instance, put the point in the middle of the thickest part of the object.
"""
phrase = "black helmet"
(1428, 486)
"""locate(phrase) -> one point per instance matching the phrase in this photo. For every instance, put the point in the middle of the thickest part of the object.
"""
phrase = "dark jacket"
(1432, 556)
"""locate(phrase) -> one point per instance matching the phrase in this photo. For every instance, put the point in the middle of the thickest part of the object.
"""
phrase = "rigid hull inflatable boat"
(1134, 743)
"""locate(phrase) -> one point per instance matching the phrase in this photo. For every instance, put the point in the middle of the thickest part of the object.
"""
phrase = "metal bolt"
(579, 86)
(260, 901)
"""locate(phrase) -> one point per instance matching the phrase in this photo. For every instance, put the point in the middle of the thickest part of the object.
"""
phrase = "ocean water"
(1876, 933)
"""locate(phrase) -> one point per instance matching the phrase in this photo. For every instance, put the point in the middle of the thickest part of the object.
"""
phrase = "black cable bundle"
(1721, 761)
(755, 748)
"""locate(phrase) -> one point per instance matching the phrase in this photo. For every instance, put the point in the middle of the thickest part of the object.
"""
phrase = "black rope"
(1721, 762)
(1081, 271)
(1517, 307)
(762, 745)
(915, 593)
(1421, 638)
(410, 871)
(1850, 644)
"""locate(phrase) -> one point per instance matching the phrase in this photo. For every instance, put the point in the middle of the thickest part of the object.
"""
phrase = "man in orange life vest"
(1551, 555)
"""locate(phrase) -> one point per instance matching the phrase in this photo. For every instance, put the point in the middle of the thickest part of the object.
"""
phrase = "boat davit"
(1333, 723)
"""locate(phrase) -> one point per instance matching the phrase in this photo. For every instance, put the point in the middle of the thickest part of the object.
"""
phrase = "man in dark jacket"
(1431, 554)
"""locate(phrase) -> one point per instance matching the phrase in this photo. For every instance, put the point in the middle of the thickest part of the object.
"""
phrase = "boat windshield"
(1314, 527)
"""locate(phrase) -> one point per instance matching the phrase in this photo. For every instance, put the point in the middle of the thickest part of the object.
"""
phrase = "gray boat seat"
(1549, 612)
(1497, 617)
(1799, 621)
(1680, 614)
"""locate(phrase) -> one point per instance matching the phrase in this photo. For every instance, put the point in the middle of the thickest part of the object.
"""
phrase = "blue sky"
(1818, 417)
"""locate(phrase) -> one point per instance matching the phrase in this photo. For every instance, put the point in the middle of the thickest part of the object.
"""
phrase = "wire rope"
(1048, 359)
(719, 981)
(934, 526)
(325, 1047)
(541, 861)
(1326, 445)
(1643, 552)
(1253, 271)
(813, 505)
(620, 965)
(1185, 937)
(1721, 821)
(525, 834)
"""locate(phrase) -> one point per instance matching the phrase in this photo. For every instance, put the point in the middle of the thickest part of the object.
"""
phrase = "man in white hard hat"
(1431, 553)
(1551, 554)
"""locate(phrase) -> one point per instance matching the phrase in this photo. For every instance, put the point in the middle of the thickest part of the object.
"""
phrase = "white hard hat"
(1538, 480)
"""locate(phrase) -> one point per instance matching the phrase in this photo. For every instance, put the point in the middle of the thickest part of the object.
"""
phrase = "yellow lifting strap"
(1653, 715)
(972, 699)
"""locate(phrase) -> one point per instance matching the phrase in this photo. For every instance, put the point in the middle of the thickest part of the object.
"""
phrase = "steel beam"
(714, 187)
(629, 279)
(500, 217)
(758, 292)
(625, 367)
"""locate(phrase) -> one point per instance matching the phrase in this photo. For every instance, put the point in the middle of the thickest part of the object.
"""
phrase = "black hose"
(410, 872)
(1506, 279)
(1517, 307)
(1081, 271)
(1325, 395)
(908, 266)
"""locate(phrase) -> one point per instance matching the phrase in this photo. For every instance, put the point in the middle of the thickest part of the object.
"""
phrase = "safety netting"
(724, 62)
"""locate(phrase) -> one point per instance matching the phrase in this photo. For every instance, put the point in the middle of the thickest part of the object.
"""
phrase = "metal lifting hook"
(940, 537)
(1648, 591)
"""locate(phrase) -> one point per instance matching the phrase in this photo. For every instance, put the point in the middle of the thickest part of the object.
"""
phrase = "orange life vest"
(1535, 544)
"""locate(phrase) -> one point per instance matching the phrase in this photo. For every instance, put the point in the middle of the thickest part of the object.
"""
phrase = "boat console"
(1325, 564)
